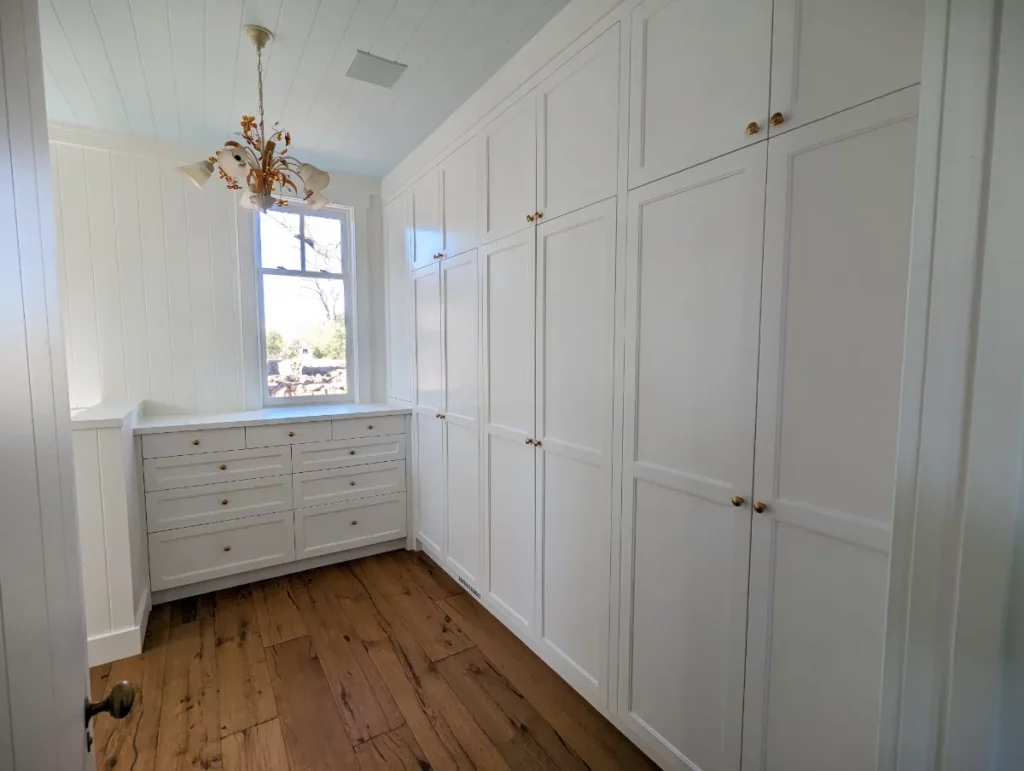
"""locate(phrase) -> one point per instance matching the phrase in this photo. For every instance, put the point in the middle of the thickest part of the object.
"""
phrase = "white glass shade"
(198, 172)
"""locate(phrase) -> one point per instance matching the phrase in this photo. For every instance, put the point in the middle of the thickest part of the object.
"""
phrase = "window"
(305, 331)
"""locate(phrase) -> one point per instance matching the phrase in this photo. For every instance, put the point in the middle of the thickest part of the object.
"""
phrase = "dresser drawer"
(348, 452)
(192, 554)
(188, 506)
(191, 442)
(326, 529)
(351, 428)
(209, 467)
(314, 488)
(287, 433)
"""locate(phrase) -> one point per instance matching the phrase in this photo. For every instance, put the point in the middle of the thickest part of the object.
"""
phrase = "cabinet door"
(830, 55)
(509, 151)
(460, 291)
(399, 299)
(575, 360)
(578, 129)
(837, 243)
(693, 293)
(460, 199)
(426, 296)
(700, 76)
(426, 219)
(508, 269)
(428, 479)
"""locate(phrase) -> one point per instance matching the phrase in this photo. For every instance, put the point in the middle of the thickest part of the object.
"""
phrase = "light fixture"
(261, 168)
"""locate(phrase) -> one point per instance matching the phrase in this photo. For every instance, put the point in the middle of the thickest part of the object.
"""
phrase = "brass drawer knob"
(227, 548)
(352, 483)
(753, 128)
(529, 218)
(224, 502)
(778, 119)
(737, 500)
(537, 215)
(355, 522)
(370, 427)
(195, 442)
(223, 467)
(760, 507)
(291, 433)
(351, 452)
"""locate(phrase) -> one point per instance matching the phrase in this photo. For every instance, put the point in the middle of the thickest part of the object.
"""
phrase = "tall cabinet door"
(837, 244)
(460, 199)
(700, 72)
(426, 219)
(830, 55)
(575, 361)
(509, 159)
(428, 435)
(508, 268)
(460, 291)
(693, 292)
(399, 299)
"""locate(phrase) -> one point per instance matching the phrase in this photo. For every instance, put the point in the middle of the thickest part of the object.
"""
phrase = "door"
(837, 242)
(426, 219)
(700, 77)
(575, 359)
(508, 268)
(460, 291)
(830, 55)
(578, 129)
(460, 199)
(693, 293)
(399, 299)
(428, 470)
(509, 159)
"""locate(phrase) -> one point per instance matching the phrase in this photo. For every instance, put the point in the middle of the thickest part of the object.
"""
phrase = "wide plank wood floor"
(384, 663)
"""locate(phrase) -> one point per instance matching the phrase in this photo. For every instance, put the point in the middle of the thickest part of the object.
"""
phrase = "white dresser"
(234, 498)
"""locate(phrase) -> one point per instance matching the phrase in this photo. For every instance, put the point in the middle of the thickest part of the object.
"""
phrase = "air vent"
(373, 69)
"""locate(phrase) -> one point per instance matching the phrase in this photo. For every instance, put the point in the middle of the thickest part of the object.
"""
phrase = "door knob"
(737, 501)
(778, 119)
(118, 702)
(760, 507)
(752, 128)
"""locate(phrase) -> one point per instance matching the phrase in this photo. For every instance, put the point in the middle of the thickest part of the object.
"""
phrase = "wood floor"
(384, 663)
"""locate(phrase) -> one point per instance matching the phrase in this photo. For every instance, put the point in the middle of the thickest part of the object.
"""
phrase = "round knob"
(351, 452)
(536, 442)
(227, 548)
(737, 500)
(224, 502)
(118, 702)
(537, 215)
(352, 483)
(223, 467)
(370, 427)
(291, 433)
(529, 218)
(760, 507)
(355, 521)
(195, 442)
(752, 128)
(529, 441)
(778, 119)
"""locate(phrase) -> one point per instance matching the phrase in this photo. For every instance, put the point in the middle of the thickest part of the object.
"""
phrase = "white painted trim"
(106, 415)
(162, 424)
(121, 644)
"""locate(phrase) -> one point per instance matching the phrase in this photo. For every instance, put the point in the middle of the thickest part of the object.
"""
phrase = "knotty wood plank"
(584, 729)
(403, 603)
(260, 748)
(442, 725)
(276, 612)
(246, 698)
(394, 750)
(310, 722)
(363, 700)
(429, 575)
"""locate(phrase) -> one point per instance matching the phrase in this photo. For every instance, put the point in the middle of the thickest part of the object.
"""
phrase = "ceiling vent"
(373, 69)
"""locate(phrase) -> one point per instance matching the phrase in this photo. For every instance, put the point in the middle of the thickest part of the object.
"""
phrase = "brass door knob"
(351, 452)
(753, 128)
(224, 502)
(195, 442)
(778, 119)
(118, 703)
(737, 500)
(760, 507)
(291, 433)
(223, 467)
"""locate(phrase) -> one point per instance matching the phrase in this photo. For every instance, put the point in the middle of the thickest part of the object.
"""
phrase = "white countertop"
(158, 424)
(106, 415)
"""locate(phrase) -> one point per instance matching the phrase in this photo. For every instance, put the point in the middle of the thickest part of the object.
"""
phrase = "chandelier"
(261, 167)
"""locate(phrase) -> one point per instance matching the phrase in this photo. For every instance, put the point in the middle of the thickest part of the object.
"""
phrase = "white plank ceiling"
(182, 70)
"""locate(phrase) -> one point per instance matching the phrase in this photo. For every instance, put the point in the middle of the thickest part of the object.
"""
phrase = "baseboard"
(123, 643)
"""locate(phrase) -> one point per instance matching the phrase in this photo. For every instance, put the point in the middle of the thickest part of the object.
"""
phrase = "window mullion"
(302, 242)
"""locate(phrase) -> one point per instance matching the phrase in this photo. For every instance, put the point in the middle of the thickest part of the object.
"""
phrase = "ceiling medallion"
(261, 168)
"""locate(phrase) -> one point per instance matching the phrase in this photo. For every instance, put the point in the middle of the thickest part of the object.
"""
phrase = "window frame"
(346, 215)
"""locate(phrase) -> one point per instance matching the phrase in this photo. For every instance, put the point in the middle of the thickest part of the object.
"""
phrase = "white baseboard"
(122, 643)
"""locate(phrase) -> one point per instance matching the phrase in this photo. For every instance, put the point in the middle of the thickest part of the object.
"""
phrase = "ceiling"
(182, 70)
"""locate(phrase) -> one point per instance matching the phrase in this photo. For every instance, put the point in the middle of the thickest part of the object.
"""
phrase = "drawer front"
(352, 428)
(348, 452)
(210, 467)
(189, 506)
(314, 488)
(191, 442)
(326, 529)
(192, 554)
(287, 433)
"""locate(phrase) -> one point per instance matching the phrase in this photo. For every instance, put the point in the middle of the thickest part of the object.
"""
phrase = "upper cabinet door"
(700, 77)
(578, 129)
(509, 149)
(399, 299)
(830, 55)
(426, 219)
(460, 198)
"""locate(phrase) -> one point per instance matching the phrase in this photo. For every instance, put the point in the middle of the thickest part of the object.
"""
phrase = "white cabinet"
(509, 153)
(830, 55)
(694, 282)
(428, 471)
(699, 79)
(460, 199)
(397, 249)
(837, 242)
(426, 219)
(426, 296)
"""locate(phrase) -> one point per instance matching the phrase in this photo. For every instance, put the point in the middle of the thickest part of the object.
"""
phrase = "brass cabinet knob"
(760, 507)
(537, 215)
(195, 442)
(370, 427)
(223, 467)
(529, 441)
(441, 416)
(737, 500)
(352, 483)
(536, 442)
(291, 433)
(224, 502)
(227, 548)
(529, 218)
(778, 119)
(753, 128)
(118, 702)
(354, 522)
(351, 452)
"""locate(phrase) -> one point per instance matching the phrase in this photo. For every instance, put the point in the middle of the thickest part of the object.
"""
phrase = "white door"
(578, 129)
(460, 290)
(830, 55)
(426, 219)
(837, 242)
(693, 293)
(399, 299)
(460, 199)
(428, 471)
(508, 274)
(575, 359)
(509, 160)
(700, 72)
